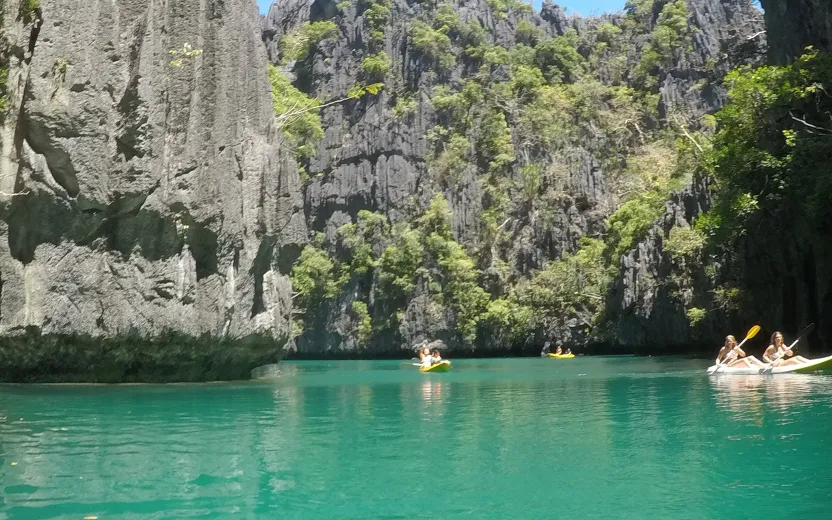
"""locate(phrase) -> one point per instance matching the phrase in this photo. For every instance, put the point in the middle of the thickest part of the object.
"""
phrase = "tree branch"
(19, 193)
(281, 119)
(810, 125)
(686, 134)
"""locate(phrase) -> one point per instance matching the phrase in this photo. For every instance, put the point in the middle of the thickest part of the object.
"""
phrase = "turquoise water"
(510, 438)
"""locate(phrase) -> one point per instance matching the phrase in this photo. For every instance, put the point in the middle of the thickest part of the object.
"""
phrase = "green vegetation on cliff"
(564, 144)
(772, 168)
(297, 44)
(296, 115)
(4, 84)
(772, 147)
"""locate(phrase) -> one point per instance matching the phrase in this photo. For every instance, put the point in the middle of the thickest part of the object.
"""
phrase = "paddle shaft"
(781, 355)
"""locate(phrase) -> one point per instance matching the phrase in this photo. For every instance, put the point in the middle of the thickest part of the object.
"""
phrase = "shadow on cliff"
(121, 226)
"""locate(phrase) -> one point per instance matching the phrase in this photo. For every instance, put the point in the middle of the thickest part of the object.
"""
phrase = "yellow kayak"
(442, 366)
(562, 356)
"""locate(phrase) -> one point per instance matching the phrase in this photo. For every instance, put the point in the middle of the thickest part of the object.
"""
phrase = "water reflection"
(432, 391)
(749, 395)
(739, 395)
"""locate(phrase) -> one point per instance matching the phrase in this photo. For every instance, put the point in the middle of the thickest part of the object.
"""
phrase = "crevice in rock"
(260, 266)
(286, 257)
(203, 244)
(33, 35)
(371, 158)
(354, 203)
(810, 281)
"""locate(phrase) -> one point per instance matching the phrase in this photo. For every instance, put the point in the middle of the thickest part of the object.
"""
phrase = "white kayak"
(812, 366)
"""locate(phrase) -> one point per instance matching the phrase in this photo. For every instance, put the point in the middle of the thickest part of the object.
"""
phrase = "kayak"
(562, 356)
(804, 368)
(442, 366)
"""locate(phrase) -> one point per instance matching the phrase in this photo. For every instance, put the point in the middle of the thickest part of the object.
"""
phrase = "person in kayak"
(559, 350)
(568, 351)
(425, 357)
(436, 357)
(734, 356)
(546, 349)
(777, 352)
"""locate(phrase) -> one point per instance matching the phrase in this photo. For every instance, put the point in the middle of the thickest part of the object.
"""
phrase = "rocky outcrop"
(372, 158)
(145, 197)
(780, 266)
(793, 25)
(647, 303)
(375, 158)
(727, 34)
(795, 261)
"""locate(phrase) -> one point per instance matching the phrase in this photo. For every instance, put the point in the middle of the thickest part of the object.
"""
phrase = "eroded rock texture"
(795, 25)
(781, 266)
(375, 159)
(145, 194)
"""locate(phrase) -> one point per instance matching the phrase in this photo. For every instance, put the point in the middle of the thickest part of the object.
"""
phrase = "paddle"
(751, 333)
(805, 333)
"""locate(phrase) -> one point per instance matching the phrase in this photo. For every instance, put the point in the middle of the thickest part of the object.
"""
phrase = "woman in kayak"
(425, 357)
(559, 350)
(436, 357)
(733, 356)
(777, 352)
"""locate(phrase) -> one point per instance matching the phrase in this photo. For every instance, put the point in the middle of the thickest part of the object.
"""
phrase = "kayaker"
(559, 350)
(733, 355)
(546, 349)
(427, 359)
(777, 352)
(436, 357)
(568, 351)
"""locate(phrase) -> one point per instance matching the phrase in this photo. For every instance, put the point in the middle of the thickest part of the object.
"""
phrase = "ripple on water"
(632, 438)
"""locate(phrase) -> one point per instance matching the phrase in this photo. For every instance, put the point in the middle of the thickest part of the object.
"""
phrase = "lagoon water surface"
(613, 437)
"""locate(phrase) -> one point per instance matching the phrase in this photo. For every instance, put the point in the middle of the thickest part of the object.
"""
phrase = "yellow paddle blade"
(752, 332)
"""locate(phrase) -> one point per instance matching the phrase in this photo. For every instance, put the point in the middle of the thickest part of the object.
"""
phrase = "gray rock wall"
(795, 24)
(783, 266)
(647, 302)
(371, 158)
(144, 202)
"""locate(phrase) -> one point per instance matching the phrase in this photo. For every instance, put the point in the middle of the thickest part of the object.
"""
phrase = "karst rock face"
(151, 210)
(787, 281)
(793, 25)
(372, 158)
(145, 194)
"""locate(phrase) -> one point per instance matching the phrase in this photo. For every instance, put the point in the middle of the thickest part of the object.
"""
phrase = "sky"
(584, 7)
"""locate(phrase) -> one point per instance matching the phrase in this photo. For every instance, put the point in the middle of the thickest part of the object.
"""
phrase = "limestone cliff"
(778, 270)
(795, 25)
(144, 193)
(385, 154)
